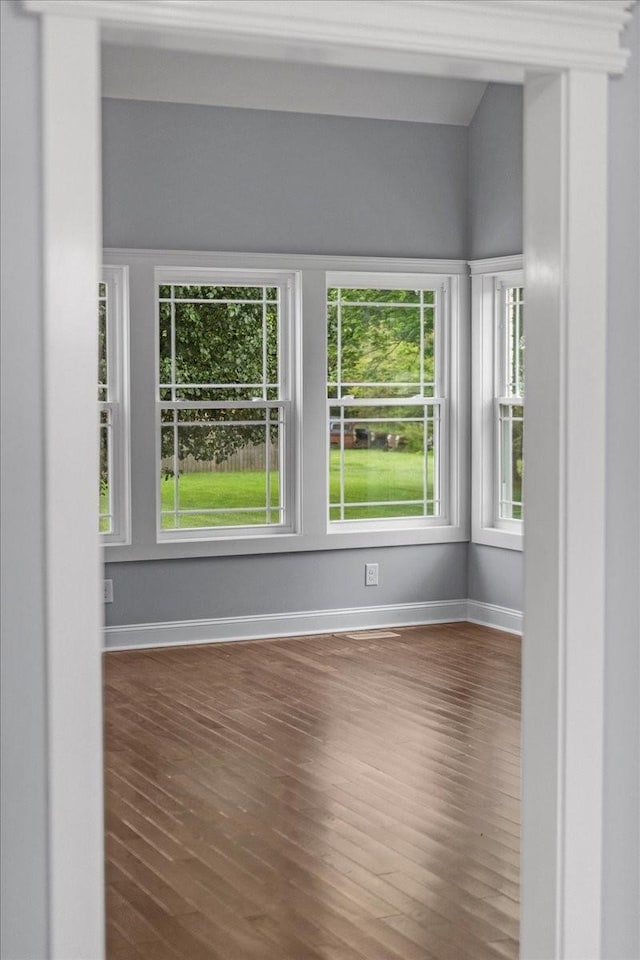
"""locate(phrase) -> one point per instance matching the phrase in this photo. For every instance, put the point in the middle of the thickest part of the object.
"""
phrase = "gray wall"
(23, 785)
(196, 589)
(495, 174)
(495, 575)
(622, 667)
(495, 230)
(190, 177)
(215, 178)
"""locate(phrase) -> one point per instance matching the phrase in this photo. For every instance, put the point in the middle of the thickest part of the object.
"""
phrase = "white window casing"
(495, 406)
(304, 456)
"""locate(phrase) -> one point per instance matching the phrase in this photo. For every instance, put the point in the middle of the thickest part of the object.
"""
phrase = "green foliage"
(380, 344)
(219, 353)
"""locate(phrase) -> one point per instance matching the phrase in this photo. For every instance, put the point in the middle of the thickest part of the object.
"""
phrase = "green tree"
(222, 351)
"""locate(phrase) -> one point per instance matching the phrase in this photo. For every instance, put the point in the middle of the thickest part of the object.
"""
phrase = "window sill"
(284, 543)
(492, 537)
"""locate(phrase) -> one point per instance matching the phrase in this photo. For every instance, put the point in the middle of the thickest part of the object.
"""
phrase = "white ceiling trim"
(551, 34)
(179, 76)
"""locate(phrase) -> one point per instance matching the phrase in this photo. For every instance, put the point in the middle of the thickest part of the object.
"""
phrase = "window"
(498, 402)
(113, 519)
(510, 405)
(292, 403)
(224, 403)
(386, 406)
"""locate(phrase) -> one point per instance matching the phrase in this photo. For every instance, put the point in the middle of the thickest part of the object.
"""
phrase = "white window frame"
(309, 528)
(288, 283)
(489, 280)
(116, 280)
(440, 285)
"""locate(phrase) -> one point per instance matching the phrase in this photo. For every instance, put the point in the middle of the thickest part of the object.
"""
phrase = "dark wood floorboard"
(315, 798)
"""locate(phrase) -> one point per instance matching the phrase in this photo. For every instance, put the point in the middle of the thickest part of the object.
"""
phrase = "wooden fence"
(246, 458)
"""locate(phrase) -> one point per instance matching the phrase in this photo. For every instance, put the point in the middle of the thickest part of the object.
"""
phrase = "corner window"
(224, 403)
(498, 351)
(113, 518)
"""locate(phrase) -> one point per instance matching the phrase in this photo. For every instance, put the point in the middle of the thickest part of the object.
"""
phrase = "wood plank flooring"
(315, 798)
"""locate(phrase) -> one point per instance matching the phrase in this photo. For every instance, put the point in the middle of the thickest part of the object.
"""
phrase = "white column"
(71, 143)
(565, 264)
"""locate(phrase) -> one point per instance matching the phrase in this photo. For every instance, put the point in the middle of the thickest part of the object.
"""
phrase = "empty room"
(301, 462)
(348, 708)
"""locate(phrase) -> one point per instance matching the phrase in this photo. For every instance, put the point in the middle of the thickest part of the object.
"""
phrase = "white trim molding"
(488, 279)
(493, 615)
(563, 664)
(496, 264)
(415, 36)
(71, 146)
(306, 622)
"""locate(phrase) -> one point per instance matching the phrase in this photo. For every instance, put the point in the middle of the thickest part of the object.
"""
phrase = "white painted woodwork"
(485, 39)
(565, 271)
(305, 622)
(484, 360)
(71, 143)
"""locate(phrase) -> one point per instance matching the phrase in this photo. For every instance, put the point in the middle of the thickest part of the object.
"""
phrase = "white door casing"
(563, 50)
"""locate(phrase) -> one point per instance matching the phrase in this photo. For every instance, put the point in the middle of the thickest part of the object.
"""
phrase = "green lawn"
(221, 491)
(370, 475)
(379, 475)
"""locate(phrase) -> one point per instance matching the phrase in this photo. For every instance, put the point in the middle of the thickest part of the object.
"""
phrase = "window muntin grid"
(113, 510)
(223, 405)
(510, 406)
(385, 408)
(105, 407)
(515, 341)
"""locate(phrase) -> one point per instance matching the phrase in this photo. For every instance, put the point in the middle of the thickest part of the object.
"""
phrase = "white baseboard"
(226, 629)
(491, 615)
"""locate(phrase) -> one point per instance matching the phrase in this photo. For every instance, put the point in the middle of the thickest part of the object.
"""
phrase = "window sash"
(113, 393)
(509, 413)
(508, 394)
(284, 404)
(429, 393)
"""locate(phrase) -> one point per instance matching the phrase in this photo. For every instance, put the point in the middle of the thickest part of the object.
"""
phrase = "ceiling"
(181, 76)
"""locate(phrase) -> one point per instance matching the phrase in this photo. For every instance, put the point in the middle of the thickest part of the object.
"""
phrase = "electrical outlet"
(107, 589)
(371, 574)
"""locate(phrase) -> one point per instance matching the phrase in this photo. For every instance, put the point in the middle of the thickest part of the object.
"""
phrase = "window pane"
(219, 473)
(219, 343)
(105, 524)
(380, 343)
(220, 465)
(511, 462)
(383, 462)
(515, 350)
(102, 344)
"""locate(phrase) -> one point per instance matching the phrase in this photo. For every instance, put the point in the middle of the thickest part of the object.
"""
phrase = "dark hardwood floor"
(315, 798)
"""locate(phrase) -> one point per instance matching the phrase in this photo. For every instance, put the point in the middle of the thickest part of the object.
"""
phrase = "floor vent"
(369, 635)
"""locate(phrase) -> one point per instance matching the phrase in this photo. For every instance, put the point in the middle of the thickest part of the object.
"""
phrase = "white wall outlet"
(371, 574)
(107, 590)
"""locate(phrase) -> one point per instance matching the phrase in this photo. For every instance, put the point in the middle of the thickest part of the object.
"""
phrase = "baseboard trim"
(491, 615)
(227, 629)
